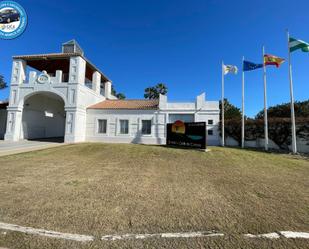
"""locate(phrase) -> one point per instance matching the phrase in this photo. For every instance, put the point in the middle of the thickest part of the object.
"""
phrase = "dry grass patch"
(100, 189)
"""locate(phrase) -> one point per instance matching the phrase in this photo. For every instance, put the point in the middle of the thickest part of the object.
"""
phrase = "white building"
(65, 95)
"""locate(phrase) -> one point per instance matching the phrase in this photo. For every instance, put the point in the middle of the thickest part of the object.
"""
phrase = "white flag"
(230, 69)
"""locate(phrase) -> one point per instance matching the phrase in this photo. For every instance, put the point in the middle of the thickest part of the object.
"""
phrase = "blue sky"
(181, 43)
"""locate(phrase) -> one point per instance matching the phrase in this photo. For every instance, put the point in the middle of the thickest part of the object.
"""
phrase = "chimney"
(200, 101)
(162, 102)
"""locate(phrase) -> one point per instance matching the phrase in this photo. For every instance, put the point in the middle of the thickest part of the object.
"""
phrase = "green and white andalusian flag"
(295, 44)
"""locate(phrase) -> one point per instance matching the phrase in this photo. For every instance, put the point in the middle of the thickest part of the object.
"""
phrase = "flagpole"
(294, 147)
(243, 106)
(222, 103)
(265, 105)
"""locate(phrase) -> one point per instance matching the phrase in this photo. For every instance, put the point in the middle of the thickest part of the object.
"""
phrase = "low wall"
(302, 145)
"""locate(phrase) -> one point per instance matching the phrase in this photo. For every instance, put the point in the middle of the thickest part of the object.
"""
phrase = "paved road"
(9, 148)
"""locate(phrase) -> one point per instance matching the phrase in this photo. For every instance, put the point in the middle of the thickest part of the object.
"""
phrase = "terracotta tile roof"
(138, 104)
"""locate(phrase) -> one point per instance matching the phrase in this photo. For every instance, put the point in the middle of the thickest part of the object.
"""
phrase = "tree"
(150, 93)
(120, 96)
(161, 88)
(232, 120)
(155, 91)
(230, 111)
(279, 122)
(2, 82)
(284, 110)
(117, 95)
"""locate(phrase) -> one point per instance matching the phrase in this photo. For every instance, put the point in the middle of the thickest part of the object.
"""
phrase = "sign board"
(190, 135)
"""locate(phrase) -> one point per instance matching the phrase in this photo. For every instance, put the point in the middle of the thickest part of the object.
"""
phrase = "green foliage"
(161, 88)
(117, 95)
(232, 120)
(279, 130)
(150, 93)
(2, 82)
(113, 90)
(155, 91)
(120, 96)
(230, 110)
(232, 128)
(284, 110)
(279, 124)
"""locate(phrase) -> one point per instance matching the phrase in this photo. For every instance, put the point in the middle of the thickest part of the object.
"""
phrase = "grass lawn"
(100, 189)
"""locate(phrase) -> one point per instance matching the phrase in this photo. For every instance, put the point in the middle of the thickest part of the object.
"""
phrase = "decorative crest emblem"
(43, 78)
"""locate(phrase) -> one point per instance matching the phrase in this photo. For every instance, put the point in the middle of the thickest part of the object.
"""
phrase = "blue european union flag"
(248, 66)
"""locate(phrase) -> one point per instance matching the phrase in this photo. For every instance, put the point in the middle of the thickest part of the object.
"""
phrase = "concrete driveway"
(10, 148)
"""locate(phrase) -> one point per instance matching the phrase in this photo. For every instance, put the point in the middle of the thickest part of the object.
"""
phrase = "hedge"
(279, 130)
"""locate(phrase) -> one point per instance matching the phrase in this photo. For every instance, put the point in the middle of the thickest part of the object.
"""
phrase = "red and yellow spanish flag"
(272, 60)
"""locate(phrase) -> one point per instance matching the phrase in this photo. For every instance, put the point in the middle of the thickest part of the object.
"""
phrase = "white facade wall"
(134, 117)
(208, 112)
(213, 139)
(203, 111)
(69, 102)
(75, 95)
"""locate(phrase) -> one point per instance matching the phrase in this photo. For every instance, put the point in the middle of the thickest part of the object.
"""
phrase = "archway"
(43, 117)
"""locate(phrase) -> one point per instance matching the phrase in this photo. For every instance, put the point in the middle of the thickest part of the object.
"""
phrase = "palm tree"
(150, 93)
(2, 82)
(161, 88)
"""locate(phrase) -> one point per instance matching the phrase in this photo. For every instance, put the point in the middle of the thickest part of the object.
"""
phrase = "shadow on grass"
(249, 149)
(175, 147)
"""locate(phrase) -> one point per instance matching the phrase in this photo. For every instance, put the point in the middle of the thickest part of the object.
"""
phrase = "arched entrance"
(43, 117)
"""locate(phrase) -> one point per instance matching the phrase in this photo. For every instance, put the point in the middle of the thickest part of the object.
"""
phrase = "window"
(124, 126)
(210, 122)
(210, 132)
(146, 127)
(102, 124)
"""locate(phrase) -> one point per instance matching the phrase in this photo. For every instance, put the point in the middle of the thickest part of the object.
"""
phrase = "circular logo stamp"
(13, 19)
